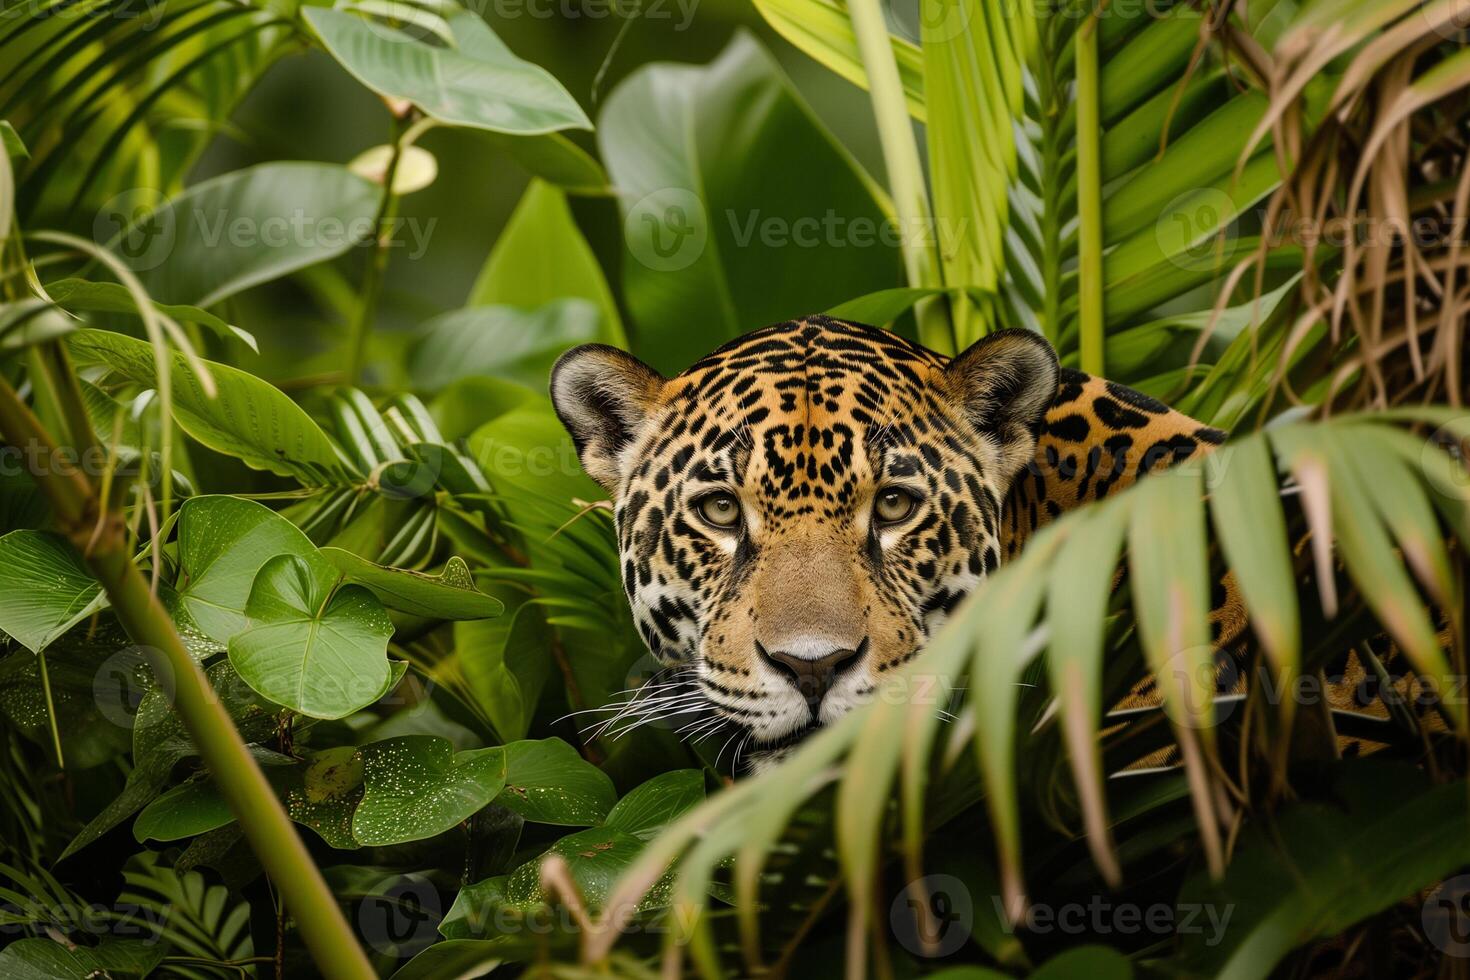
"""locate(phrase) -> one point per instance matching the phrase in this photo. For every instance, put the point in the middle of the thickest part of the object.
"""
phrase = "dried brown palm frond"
(1377, 196)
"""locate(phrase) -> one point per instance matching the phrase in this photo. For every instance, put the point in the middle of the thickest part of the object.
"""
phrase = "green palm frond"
(1057, 605)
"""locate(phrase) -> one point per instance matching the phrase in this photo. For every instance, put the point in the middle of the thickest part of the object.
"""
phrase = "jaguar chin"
(799, 511)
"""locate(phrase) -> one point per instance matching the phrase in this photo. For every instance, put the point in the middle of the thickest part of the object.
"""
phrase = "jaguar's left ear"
(1004, 384)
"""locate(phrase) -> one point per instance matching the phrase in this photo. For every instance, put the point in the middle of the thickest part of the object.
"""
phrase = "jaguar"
(799, 511)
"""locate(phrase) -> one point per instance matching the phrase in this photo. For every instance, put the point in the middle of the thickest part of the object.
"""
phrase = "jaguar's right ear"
(603, 396)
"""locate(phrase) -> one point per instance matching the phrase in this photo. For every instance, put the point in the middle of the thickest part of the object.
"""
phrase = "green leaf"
(250, 419)
(192, 808)
(11, 142)
(449, 595)
(94, 677)
(546, 781)
(312, 646)
(111, 297)
(709, 237)
(1251, 527)
(417, 786)
(248, 227)
(883, 307)
(1319, 869)
(664, 798)
(1094, 962)
(823, 31)
(516, 273)
(528, 451)
(223, 542)
(455, 958)
(595, 857)
(500, 341)
(324, 795)
(506, 663)
(477, 83)
(554, 159)
(45, 589)
(46, 959)
(160, 741)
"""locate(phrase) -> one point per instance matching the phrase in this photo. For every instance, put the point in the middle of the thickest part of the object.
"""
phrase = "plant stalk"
(905, 171)
(377, 263)
(101, 537)
(1090, 322)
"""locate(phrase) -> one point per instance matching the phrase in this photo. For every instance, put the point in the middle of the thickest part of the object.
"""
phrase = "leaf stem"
(1091, 325)
(377, 263)
(101, 536)
(905, 171)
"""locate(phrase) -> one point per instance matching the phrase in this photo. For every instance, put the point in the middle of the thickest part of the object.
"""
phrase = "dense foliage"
(287, 535)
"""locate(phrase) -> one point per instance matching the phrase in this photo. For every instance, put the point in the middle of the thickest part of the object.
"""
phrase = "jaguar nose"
(813, 677)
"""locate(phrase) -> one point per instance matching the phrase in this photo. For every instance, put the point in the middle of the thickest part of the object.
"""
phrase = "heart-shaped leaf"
(312, 646)
(417, 786)
(45, 589)
(223, 542)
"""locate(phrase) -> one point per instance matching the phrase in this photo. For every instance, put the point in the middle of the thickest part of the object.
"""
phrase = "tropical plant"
(268, 560)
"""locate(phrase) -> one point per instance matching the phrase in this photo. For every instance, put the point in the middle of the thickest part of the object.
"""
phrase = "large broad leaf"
(664, 798)
(192, 808)
(246, 228)
(249, 419)
(555, 159)
(517, 273)
(47, 959)
(449, 595)
(417, 786)
(312, 646)
(506, 663)
(500, 341)
(528, 450)
(477, 82)
(710, 238)
(45, 589)
(223, 542)
(548, 782)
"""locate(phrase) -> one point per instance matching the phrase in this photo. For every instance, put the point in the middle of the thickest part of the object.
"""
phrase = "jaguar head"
(800, 510)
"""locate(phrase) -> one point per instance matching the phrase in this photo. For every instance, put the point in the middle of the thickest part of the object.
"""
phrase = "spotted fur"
(805, 423)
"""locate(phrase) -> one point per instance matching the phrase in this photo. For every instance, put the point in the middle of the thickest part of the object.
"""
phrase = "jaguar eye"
(720, 509)
(894, 505)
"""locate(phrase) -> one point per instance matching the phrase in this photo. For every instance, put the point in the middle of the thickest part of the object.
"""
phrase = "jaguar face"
(800, 510)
